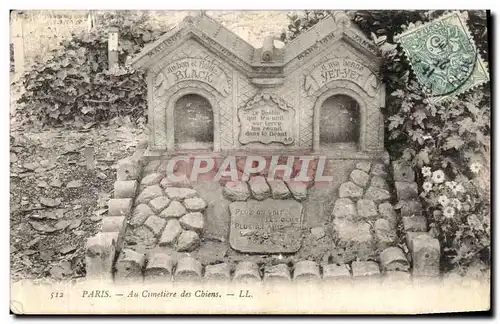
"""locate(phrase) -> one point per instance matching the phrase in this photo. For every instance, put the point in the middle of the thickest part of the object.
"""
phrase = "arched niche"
(339, 125)
(194, 114)
(350, 94)
(207, 106)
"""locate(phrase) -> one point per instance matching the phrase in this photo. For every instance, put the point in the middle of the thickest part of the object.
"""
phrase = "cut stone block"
(180, 193)
(246, 272)
(119, 207)
(129, 265)
(336, 272)
(364, 166)
(159, 266)
(151, 180)
(365, 269)
(279, 273)
(125, 189)
(159, 204)
(218, 272)
(425, 252)
(114, 224)
(155, 224)
(378, 195)
(174, 210)
(170, 233)
(149, 193)
(409, 237)
(259, 188)
(350, 190)
(345, 208)
(366, 209)
(140, 214)
(193, 221)
(348, 231)
(355, 241)
(237, 191)
(188, 269)
(402, 171)
(379, 182)
(360, 178)
(415, 224)
(306, 272)
(100, 253)
(379, 169)
(127, 169)
(140, 238)
(393, 259)
(298, 190)
(137, 157)
(195, 204)
(410, 208)
(152, 166)
(181, 181)
(188, 241)
(385, 234)
(386, 211)
(279, 190)
(406, 190)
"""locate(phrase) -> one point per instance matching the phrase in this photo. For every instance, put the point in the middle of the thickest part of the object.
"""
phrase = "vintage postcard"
(250, 162)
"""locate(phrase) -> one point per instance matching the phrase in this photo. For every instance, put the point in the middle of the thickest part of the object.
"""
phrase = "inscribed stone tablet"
(266, 120)
(269, 226)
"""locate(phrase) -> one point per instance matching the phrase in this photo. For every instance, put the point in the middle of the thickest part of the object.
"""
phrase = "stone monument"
(320, 92)
(274, 152)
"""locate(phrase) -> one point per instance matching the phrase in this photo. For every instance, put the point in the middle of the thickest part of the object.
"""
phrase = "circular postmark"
(445, 58)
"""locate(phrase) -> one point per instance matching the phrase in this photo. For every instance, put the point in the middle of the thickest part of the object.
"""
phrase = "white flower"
(459, 188)
(457, 204)
(426, 171)
(475, 167)
(448, 212)
(451, 184)
(438, 176)
(427, 186)
(443, 200)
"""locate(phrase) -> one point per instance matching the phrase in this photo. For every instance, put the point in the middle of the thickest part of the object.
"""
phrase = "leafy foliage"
(74, 85)
(460, 213)
(450, 136)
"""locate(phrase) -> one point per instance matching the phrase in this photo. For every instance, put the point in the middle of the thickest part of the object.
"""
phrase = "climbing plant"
(451, 137)
(73, 84)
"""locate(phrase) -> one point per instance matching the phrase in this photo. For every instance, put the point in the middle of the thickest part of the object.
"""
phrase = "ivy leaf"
(465, 124)
(408, 154)
(398, 93)
(423, 157)
(454, 141)
(395, 121)
(419, 116)
(472, 108)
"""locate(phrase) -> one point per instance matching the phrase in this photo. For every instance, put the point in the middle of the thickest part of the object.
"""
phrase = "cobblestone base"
(153, 224)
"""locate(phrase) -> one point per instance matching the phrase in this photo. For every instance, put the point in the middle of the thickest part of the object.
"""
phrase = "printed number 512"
(56, 295)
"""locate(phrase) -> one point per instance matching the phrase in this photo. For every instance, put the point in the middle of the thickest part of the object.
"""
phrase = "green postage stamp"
(444, 57)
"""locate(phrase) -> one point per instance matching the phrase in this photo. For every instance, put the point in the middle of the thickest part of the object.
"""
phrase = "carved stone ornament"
(266, 118)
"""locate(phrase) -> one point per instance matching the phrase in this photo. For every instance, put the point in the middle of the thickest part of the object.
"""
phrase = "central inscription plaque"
(266, 119)
(269, 226)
